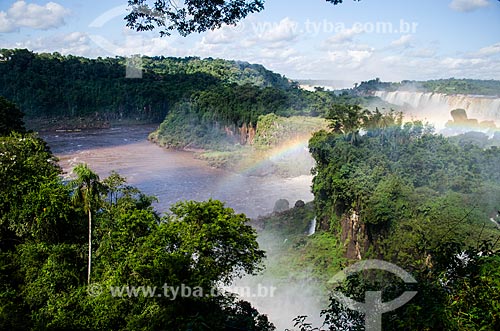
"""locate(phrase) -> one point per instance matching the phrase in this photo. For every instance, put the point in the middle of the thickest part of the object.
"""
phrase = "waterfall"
(436, 107)
(495, 222)
(312, 227)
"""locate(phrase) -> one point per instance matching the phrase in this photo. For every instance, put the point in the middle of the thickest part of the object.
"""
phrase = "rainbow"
(258, 164)
(283, 152)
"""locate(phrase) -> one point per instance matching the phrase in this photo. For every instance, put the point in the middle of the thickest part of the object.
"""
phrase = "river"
(170, 175)
(175, 175)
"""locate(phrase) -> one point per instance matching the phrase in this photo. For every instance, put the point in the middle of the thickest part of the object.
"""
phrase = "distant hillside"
(229, 71)
(445, 86)
(52, 85)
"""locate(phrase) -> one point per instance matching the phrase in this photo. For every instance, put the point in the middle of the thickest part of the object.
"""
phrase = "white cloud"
(76, 43)
(404, 41)
(455, 63)
(224, 35)
(422, 53)
(285, 30)
(5, 24)
(346, 35)
(351, 56)
(468, 5)
(490, 50)
(24, 15)
(83, 44)
(285, 53)
(359, 56)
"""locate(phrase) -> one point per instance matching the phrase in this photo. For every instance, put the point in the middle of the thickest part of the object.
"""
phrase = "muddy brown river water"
(169, 175)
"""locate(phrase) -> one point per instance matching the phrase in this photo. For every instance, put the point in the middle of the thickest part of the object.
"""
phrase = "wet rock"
(281, 205)
(299, 204)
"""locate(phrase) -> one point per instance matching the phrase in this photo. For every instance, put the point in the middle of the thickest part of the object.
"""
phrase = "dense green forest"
(446, 86)
(220, 117)
(383, 189)
(52, 85)
(403, 194)
(216, 116)
(46, 282)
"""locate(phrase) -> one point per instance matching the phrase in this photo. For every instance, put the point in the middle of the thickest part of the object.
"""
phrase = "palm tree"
(348, 120)
(87, 193)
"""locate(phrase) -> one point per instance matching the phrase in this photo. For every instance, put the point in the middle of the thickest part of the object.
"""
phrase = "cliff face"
(245, 136)
(354, 235)
(461, 120)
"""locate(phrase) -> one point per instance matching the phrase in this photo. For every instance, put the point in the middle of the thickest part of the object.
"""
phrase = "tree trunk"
(90, 246)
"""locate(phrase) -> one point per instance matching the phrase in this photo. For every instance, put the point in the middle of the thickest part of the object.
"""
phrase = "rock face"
(461, 120)
(299, 204)
(243, 135)
(459, 116)
(281, 205)
(247, 134)
(354, 235)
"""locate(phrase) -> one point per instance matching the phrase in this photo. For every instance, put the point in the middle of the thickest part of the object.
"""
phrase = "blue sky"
(390, 39)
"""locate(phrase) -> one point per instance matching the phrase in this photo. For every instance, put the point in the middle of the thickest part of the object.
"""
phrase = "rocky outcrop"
(247, 134)
(459, 116)
(243, 135)
(281, 205)
(484, 108)
(354, 235)
(299, 204)
(461, 120)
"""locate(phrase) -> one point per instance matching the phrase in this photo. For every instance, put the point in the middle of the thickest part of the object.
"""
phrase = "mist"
(295, 293)
(435, 108)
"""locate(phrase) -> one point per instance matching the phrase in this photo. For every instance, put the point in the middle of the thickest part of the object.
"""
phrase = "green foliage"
(43, 232)
(425, 203)
(224, 244)
(51, 85)
(387, 201)
(11, 118)
(213, 118)
(445, 86)
(87, 187)
(33, 202)
(190, 15)
(476, 305)
(347, 119)
(273, 130)
(199, 244)
(312, 258)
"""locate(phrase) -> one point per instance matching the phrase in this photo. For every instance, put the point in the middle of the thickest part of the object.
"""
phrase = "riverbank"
(277, 146)
(76, 124)
(171, 175)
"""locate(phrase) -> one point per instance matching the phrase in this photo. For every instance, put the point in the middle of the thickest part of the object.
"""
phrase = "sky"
(301, 39)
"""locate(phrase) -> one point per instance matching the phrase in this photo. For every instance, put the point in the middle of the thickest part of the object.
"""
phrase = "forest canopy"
(399, 192)
(43, 252)
(53, 85)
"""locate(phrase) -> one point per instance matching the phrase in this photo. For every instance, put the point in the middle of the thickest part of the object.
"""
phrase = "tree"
(29, 191)
(199, 245)
(87, 191)
(11, 117)
(348, 120)
(191, 15)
